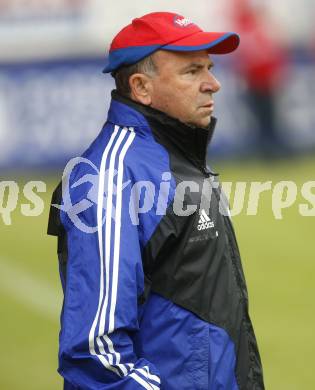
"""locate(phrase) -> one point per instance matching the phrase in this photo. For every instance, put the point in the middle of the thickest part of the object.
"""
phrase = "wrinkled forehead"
(177, 59)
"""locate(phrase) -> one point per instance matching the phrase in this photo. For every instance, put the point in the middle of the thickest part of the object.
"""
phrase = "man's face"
(184, 86)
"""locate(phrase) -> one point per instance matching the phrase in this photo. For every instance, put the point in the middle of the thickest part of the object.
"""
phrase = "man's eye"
(192, 71)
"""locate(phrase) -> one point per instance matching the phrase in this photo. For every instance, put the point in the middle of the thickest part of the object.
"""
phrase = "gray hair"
(122, 75)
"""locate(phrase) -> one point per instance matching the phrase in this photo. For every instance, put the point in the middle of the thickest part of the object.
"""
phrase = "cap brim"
(215, 43)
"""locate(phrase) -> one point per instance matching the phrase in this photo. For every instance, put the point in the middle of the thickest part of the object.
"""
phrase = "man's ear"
(141, 88)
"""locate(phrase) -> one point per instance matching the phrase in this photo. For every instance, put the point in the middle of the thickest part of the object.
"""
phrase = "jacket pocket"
(198, 366)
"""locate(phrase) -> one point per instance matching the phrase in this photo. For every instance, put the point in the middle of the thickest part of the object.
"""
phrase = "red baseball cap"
(164, 31)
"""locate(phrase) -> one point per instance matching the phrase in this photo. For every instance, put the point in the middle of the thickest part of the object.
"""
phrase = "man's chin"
(204, 123)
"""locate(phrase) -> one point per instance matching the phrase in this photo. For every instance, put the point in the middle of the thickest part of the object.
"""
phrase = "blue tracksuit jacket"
(154, 292)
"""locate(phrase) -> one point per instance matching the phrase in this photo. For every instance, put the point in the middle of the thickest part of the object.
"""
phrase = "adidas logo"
(204, 221)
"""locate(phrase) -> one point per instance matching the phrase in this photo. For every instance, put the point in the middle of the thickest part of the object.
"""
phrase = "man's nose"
(211, 84)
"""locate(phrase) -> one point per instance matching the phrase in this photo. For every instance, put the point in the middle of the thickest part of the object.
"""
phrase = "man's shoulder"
(117, 150)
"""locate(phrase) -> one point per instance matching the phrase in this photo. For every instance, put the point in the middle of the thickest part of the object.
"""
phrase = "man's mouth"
(209, 105)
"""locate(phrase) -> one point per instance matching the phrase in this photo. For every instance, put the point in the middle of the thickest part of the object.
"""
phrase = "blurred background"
(54, 101)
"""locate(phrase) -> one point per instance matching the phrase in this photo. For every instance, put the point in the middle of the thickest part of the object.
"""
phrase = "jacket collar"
(192, 141)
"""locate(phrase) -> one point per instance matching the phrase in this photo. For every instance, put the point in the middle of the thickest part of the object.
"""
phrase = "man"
(155, 295)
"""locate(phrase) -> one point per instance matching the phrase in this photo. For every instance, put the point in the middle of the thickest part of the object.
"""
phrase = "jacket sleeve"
(104, 279)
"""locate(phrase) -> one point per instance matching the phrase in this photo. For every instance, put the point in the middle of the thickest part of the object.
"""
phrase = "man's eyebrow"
(197, 65)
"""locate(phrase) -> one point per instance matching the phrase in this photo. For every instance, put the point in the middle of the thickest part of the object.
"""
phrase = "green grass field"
(279, 263)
